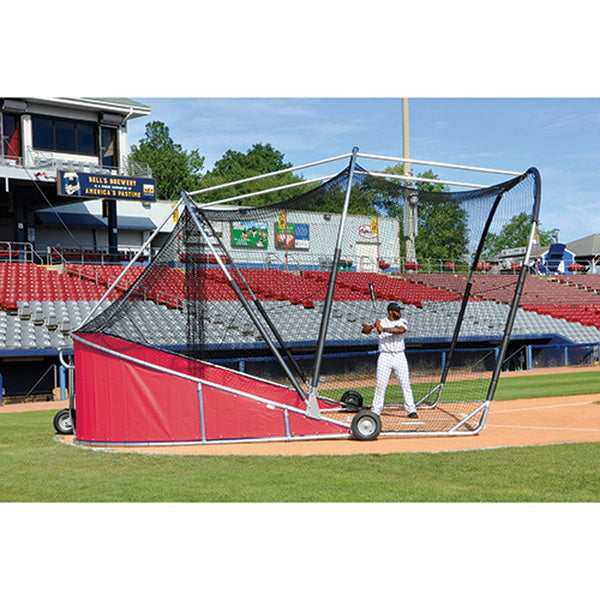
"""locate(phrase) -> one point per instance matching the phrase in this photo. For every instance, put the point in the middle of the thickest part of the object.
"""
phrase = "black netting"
(251, 284)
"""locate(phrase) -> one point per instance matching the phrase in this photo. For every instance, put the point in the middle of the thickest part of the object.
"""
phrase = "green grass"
(509, 388)
(536, 386)
(34, 467)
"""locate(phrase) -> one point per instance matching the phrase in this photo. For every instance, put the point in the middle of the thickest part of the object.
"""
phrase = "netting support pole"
(520, 283)
(147, 244)
(242, 299)
(264, 314)
(312, 397)
(467, 292)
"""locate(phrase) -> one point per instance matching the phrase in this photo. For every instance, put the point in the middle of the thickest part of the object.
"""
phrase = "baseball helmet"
(394, 306)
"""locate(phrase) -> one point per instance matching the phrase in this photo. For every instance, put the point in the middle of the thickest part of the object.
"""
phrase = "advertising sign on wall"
(249, 234)
(366, 232)
(294, 236)
(113, 187)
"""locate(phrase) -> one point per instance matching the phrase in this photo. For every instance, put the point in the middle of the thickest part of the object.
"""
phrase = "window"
(61, 135)
(64, 136)
(10, 135)
(43, 136)
(86, 138)
(109, 146)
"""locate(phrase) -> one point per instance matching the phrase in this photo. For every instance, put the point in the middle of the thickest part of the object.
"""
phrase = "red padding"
(119, 401)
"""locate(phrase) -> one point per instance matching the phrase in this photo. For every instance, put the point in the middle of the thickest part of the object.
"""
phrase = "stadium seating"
(27, 281)
(39, 307)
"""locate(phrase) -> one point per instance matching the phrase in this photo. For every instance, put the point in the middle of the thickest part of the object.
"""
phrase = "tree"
(173, 168)
(442, 222)
(514, 234)
(258, 160)
(363, 197)
(443, 229)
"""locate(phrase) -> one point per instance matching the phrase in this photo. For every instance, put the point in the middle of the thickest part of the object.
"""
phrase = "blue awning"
(88, 220)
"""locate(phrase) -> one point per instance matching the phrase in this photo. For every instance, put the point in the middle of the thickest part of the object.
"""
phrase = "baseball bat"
(372, 292)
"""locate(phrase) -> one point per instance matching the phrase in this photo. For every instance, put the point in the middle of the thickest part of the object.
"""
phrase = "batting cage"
(262, 322)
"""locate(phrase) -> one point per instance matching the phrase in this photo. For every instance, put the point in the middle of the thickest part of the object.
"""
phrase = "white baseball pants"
(386, 363)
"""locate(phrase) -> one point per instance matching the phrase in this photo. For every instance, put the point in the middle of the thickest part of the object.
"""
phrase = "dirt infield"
(510, 423)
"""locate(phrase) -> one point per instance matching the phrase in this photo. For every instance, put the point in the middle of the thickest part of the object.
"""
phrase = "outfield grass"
(34, 467)
(509, 388)
(537, 386)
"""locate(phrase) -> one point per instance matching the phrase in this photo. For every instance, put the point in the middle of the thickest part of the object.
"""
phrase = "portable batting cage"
(246, 325)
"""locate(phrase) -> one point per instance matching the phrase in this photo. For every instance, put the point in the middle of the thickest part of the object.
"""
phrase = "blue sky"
(559, 136)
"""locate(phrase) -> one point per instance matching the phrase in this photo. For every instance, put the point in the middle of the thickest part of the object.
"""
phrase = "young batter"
(392, 358)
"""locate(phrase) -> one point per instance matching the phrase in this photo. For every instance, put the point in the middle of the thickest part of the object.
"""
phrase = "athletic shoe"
(413, 415)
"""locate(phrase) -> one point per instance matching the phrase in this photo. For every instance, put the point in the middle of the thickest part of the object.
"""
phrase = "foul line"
(550, 428)
(497, 412)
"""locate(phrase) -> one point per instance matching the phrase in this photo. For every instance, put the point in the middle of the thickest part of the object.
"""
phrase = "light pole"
(410, 202)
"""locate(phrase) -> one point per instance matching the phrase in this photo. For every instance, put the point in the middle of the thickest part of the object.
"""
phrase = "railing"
(43, 161)
(18, 252)
(11, 161)
(25, 252)
(391, 265)
(57, 255)
(158, 296)
(560, 355)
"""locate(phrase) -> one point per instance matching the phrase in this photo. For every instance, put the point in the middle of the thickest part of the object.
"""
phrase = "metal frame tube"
(438, 164)
(201, 413)
(265, 175)
(129, 265)
(520, 282)
(259, 193)
(284, 407)
(467, 292)
(330, 288)
(439, 386)
(484, 407)
(258, 305)
(424, 179)
(244, 302)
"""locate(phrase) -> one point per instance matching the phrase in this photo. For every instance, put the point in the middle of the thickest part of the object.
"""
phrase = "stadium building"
(56, 154)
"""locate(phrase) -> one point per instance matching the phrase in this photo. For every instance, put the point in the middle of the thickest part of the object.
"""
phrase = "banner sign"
(375, 226)
(366, 231)
(302, 236)
(294, 236)
(282, 221)
(113, 187)
(250, 234)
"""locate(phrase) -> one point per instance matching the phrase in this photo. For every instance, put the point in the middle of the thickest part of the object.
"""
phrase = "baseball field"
(541, 443)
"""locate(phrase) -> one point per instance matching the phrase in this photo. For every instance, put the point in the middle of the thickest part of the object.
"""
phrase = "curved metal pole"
(520, 283)
(467, 292)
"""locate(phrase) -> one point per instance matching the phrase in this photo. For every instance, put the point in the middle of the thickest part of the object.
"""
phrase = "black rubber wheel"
(366, 426)
(352, 401)
(64, 421)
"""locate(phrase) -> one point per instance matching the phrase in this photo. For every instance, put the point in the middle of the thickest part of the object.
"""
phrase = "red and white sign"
(364, 231)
